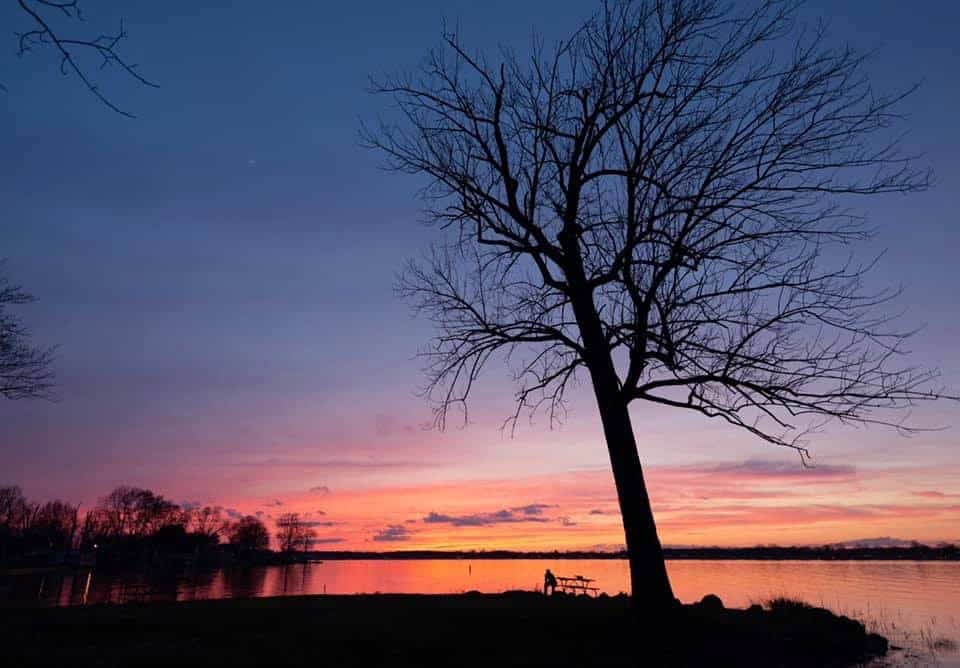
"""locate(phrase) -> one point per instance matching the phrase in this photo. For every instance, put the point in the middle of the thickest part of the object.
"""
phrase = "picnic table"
(576, 584)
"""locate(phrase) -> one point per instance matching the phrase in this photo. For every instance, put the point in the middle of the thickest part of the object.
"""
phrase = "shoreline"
(607, 557)
(472, 629)
(759, 553)
(221, 557)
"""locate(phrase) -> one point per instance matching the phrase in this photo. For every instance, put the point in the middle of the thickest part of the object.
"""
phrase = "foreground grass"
(513, 629)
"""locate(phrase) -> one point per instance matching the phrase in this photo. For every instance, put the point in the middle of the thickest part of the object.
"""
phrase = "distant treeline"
(915, 552)
(134, 525)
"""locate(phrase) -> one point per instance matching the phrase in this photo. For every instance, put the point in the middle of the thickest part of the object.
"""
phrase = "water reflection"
(246, 579)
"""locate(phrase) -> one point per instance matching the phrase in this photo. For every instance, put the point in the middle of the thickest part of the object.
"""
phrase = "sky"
(218, 277)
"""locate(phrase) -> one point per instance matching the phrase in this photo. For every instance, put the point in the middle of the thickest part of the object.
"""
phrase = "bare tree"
(79, 55)
(660, 202)
(26, 525)
(55, 525)
(208, 522)
(249, 534)
(293, 533)
(25, 371)
(15, 511)
(15, 514)
(131, 512)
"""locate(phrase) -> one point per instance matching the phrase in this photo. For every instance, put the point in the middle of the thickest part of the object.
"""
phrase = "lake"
(916, 604)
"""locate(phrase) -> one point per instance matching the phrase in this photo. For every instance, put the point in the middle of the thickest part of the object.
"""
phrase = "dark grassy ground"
(514, 629)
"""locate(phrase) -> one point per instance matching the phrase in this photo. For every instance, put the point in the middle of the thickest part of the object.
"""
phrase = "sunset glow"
(752, 503)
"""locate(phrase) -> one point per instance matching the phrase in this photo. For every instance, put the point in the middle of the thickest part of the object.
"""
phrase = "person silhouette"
(549, 583)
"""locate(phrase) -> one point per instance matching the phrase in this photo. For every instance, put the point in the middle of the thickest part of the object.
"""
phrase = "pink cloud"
(393, 533)
(931, 494)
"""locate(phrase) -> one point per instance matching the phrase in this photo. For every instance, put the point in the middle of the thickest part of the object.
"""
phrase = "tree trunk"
(649, 583)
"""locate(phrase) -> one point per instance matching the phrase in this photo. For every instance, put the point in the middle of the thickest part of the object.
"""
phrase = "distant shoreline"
(918, 553)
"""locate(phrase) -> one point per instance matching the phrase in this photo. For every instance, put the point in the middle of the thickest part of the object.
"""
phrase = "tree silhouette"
(54, 525)
(26, 526)
(130, 513)
(15, 513)
(208, 522)
(24, 368)
(661, 202)
(293, 533)
(74, 51)
(249, 534)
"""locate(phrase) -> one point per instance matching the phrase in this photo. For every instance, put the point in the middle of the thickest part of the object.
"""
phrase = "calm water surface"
(914, 602)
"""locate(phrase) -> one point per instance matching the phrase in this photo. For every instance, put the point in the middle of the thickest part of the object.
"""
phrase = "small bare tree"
(293, 533)
(249, 534)
(25, 371)
(659, 201)
(75, 52)
(208, 522)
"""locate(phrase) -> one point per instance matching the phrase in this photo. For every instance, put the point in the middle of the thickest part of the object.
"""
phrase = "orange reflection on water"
(933, 587)
(912, 595)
